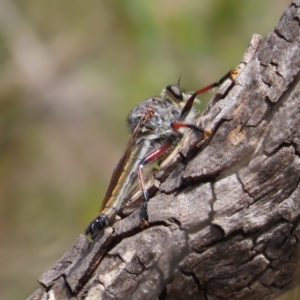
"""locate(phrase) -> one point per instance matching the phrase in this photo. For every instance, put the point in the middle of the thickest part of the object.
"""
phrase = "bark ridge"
(224, 216)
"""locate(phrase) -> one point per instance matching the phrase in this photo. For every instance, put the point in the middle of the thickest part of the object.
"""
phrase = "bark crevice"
(225, 211)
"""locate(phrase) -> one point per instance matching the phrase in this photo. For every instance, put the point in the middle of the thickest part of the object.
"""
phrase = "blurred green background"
(70, 71)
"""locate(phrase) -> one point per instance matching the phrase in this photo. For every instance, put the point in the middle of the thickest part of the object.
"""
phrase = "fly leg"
(149, 159)
(177, 125)
(187, 107)
(155, 155)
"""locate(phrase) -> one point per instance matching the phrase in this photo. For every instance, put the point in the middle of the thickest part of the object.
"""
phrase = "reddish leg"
(186, 109)
(177, 125)
(148, 159)
(151, 158)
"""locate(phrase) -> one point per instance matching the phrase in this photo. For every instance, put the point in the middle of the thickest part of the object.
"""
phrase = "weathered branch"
(224, 218)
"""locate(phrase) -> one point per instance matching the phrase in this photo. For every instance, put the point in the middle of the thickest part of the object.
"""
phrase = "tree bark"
(224, 213)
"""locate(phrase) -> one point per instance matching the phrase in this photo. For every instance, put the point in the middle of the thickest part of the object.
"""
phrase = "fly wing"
(120, 166)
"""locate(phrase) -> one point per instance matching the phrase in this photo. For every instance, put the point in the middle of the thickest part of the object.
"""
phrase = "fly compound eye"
(174, 92)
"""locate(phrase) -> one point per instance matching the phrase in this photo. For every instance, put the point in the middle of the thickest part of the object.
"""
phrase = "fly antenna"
(178, 82)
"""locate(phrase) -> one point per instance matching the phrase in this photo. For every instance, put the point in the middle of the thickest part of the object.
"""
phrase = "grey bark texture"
(225, 211)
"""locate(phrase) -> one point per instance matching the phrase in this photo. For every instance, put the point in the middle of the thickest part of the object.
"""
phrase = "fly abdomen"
(122, 188)
(96, 225)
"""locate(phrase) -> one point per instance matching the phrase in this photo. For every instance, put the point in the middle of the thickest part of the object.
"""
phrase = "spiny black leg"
(143, 211)
(96, 225)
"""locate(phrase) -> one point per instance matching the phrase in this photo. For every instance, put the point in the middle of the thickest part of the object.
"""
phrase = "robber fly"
(156, 126)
